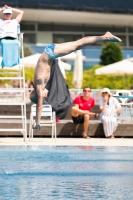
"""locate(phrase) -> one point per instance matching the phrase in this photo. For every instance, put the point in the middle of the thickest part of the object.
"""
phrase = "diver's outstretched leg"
(68, 47)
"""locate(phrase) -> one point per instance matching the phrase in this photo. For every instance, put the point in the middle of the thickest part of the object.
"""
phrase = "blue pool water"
(66, 173)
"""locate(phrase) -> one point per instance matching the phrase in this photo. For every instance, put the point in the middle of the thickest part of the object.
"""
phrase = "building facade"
(57, 21)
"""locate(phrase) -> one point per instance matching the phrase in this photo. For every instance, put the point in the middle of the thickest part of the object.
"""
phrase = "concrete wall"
(65, 128)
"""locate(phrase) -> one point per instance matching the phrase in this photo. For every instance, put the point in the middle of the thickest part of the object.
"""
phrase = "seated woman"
(8, 36)
(109, 107)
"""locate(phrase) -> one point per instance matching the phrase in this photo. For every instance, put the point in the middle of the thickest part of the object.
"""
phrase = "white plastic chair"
(123, 93)
(46, 112)
(127, 106)
(127, 111)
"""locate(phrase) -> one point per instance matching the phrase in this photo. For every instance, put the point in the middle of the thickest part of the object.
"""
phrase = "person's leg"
(41, 94)
(68, 47)
(105, 122)
(40, 98)
(41, 77)
(86, 125)
(109, 125)
(76, 111)
(113, 125)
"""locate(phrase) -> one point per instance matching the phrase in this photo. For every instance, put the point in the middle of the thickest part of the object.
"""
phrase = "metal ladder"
(16, 96)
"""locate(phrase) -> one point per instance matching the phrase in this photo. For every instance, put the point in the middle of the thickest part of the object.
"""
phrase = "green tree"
(111, 53)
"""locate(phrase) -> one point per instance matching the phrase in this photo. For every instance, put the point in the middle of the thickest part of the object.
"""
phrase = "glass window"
(79, 28)
(130, 29)
(30, 38)
(60, 38)
(58, 27)
(27, 27)
(94, 29)
(45, 27)
(101, 29)
(119, 29)
(123, 38)
(130, 40)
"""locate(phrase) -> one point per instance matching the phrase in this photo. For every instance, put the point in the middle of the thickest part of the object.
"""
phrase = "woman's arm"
(104, 107)
(104, 103)
(19, 12)
(118, 107)
(116, 110)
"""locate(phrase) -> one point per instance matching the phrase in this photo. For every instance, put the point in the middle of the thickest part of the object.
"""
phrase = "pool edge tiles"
(66, 142)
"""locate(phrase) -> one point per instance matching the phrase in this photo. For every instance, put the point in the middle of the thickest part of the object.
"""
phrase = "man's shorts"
(78, 120)
(50, 50)
(34, 97)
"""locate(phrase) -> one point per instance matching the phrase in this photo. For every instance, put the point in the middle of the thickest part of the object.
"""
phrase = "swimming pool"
(50, 173)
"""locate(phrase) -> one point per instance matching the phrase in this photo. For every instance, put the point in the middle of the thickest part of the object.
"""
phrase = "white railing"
(95, 93)
(11, 97)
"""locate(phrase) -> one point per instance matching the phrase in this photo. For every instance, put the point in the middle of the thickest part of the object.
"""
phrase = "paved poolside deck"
(66, 142)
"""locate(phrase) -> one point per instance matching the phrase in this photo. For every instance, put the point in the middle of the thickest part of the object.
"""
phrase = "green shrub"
(27, 51)
(89, 78)
(111, 53)
(101, 81)
(29, 74)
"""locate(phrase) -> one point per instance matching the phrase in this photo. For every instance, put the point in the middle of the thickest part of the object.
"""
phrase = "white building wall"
(44, 37)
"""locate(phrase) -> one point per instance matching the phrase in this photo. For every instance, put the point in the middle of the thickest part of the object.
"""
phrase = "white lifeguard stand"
(10, 96)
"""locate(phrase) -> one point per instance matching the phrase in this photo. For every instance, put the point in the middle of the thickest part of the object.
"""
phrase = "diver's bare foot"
(110, 37)
(34, 126)
(85, 136)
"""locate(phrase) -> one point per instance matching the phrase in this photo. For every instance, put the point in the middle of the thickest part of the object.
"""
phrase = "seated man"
(81, 110)
(8, 36)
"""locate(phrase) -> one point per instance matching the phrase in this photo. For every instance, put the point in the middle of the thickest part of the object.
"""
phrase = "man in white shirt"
(8, 26)
(8, 36)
